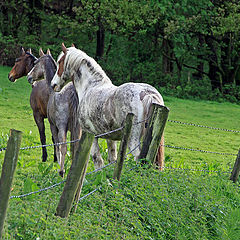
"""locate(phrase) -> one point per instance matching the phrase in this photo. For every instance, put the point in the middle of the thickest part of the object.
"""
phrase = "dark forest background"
(185, 48)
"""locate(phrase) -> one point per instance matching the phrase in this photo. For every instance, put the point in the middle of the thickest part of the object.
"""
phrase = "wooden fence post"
(8, 169)
(75, 175)
(236, 169)
(79, 190)
(123, 146)
(154, 132)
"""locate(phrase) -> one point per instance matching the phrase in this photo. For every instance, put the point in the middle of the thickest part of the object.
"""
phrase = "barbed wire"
(167, 168)
(105, 166)
(57, 184)
(119, 129)
(202, 126)
(76, 140)
(107, 133)
(38, 191)
(67, 142)
(196, 170)
(198, 150)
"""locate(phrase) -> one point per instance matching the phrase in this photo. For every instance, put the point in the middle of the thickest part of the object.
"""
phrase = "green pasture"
(145, 204)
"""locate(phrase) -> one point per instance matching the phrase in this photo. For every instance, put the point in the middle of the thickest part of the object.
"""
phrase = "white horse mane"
(77, 58)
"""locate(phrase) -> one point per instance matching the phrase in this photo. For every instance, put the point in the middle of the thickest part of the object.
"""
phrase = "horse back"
(105, 109)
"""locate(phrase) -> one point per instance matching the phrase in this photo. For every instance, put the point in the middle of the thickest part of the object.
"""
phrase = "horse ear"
(64, 49)
(30, 50)
(73, 45)
(48, 52)
(41, 53)
(22, 51)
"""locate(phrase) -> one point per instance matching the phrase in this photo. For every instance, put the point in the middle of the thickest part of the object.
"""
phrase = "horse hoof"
(44, 157)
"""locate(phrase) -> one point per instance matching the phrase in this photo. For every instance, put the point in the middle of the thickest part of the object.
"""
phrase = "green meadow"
(198, 203)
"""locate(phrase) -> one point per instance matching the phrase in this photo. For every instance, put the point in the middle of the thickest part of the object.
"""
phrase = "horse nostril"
(55, 87)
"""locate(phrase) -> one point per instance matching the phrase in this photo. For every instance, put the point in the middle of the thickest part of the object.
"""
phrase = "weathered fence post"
(8, 169)
(123, 146)
(76, 173)
(236, 169)
(79, 190)
(154, 132)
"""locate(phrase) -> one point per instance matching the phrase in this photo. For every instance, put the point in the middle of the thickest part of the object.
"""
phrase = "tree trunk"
(100, 40)
(214, 76)
(213, 72)
(199, 74)
(34, 27)
(167, 65)
(226, 62)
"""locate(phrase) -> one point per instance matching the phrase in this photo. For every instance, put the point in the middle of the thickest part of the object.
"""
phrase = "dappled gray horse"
(61, 112)
(103, 106)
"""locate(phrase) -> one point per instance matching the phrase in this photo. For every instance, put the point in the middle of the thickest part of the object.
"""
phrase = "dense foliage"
(189, 48)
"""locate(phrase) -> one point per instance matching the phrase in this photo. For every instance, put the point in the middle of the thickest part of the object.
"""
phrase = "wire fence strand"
(199, 150)
(38, 191)
(120, 128)
(202, 126)
(197, 170)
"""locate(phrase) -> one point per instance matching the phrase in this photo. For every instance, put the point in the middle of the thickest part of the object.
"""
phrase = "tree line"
(186, 48)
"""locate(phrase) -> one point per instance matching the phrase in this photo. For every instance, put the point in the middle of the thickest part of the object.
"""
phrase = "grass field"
(146, 204)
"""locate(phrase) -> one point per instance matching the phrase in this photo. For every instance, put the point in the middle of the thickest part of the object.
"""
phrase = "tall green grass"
(146, 203)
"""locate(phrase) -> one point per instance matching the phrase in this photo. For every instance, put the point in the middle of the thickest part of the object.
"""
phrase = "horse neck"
(92, 79)
(50, 69)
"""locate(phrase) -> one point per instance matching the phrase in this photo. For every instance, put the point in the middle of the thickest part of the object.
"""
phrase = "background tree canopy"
(185, 48)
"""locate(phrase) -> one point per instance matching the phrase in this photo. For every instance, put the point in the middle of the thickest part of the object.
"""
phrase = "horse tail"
(76, 131)
(155, 98)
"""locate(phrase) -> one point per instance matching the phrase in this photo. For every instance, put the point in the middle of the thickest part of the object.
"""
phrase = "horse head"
(61, 75)
(73, 64)
(23, 64)
(41, 67)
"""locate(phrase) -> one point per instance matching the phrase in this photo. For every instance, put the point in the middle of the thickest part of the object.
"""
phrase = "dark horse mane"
(50, 69)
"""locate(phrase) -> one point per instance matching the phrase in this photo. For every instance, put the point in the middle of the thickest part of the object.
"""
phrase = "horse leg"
(62, 136)
(96, 155)
(39, 119)
(54, 132)
(76, 134)
(112, 150)
(55, 152)
(134, 141)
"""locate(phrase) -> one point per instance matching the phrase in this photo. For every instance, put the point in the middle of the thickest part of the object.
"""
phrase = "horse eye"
(17, 60)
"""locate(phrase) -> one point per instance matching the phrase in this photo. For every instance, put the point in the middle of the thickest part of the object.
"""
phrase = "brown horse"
(39, 95)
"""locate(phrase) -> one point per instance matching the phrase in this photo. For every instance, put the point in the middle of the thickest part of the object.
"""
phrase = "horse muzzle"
(11, 78)
(56, 88)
